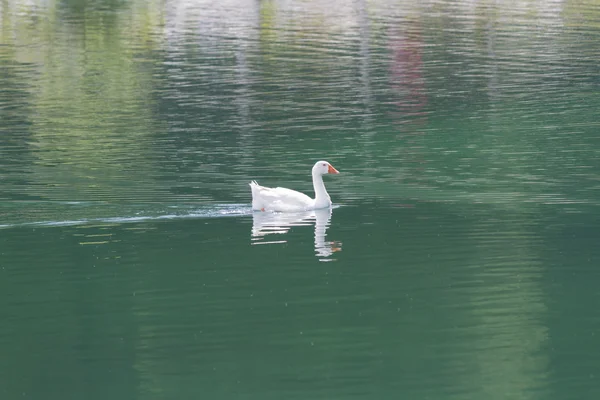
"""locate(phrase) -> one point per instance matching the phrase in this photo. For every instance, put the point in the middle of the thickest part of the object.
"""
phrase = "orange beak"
(332, 170)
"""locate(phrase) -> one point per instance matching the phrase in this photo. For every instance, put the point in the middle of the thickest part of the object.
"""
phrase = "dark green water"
(461, 260)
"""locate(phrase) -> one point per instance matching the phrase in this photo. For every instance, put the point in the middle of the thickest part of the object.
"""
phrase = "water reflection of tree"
(90, 96)
(508, 309)
(15, 120)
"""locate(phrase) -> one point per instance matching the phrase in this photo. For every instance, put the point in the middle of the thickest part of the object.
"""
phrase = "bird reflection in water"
(267, 223)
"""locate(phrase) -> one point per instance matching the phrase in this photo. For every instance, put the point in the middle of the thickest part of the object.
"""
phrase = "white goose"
(288, 200)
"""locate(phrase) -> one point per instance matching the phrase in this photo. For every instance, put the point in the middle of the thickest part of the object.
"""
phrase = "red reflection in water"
(406, 70)
(408, 83)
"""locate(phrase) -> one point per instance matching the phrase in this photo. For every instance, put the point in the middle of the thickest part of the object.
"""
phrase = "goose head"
(323, 167)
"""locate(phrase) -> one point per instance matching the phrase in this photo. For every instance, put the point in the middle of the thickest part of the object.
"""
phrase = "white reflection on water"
(267, 223)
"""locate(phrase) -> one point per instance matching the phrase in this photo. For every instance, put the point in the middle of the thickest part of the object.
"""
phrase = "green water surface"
(461, 259)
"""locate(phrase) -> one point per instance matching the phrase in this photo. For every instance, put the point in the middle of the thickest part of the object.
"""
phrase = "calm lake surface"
(461, 259)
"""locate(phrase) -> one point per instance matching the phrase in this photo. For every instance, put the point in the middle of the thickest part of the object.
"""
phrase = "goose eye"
(324, 165)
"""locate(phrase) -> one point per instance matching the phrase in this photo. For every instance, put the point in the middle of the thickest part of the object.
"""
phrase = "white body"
(288, 200)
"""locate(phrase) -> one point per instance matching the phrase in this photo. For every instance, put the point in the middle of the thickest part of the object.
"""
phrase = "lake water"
(461, 259)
